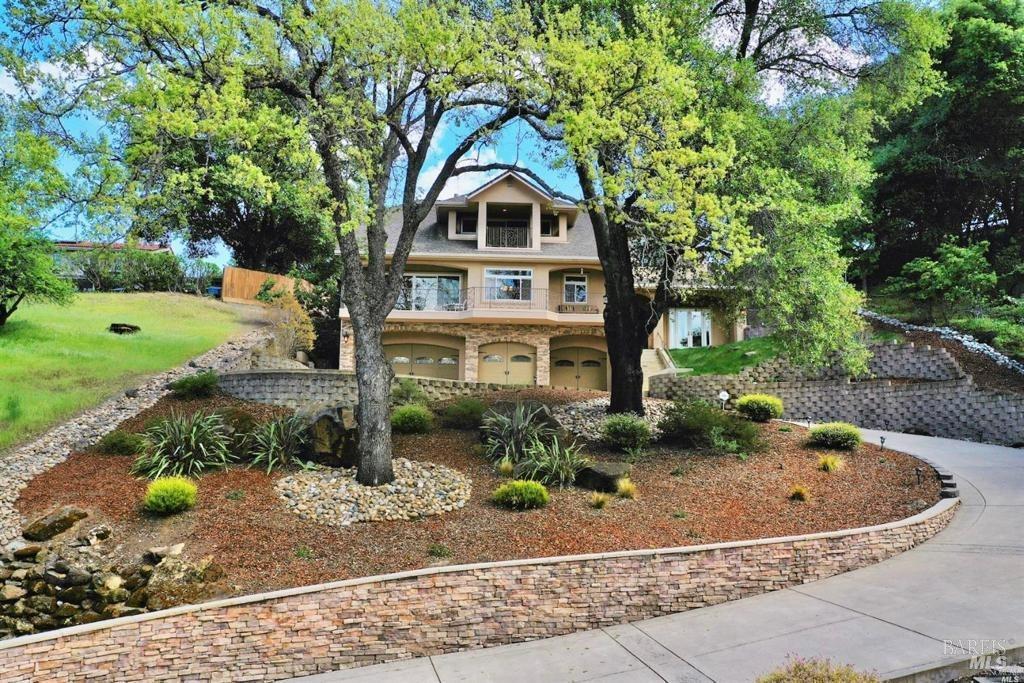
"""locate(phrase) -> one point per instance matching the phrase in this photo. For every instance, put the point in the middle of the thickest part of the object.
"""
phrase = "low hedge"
(412, 418)
(521, 495)
(626, 432)
(760, 407)
(838, 435)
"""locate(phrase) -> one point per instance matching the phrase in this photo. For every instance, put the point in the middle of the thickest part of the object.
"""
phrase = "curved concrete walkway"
(917, 611)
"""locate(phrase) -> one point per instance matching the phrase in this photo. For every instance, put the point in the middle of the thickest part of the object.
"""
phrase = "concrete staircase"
(652, 363)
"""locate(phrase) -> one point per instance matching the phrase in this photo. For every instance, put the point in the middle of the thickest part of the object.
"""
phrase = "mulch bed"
(684, 498)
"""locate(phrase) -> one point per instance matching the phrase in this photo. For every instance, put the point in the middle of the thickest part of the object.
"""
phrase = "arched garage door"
(578, 367)
(507, 363)
(423, 360)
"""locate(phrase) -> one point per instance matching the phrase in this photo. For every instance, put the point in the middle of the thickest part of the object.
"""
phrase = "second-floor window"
(549, 226)
(465, 224)
(430, 293)
(508, 284)
(575, 289)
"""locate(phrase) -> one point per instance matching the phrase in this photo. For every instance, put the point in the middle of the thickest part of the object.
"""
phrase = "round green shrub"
(169, 495)
(838, 435)
(200, 385)
(760, 407)
(412, 418)
(119, 442)
(626, 432)
(521, 495)
(466, 413)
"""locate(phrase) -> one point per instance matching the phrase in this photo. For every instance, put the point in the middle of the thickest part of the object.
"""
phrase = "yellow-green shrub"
(760, 407)
(838, 435)
(168, 495)
(521, 495)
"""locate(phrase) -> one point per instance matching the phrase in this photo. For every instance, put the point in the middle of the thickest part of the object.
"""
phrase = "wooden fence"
(241, 285)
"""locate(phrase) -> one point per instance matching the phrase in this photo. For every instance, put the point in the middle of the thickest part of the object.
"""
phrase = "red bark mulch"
(684, 498)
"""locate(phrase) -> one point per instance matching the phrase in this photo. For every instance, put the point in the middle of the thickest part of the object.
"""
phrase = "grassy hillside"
(56, 361)
(726, 359)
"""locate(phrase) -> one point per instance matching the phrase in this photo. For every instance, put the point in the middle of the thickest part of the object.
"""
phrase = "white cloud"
(7, 84)
(465, 182)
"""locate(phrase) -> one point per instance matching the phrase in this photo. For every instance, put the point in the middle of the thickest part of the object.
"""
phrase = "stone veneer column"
(347, 351)
(543, 361)
(472, 353)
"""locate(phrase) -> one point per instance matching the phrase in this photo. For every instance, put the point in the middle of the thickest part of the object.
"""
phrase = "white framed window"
(508, 284)
(430, 292)
(465, 224)
(549, 226)
(574, 289)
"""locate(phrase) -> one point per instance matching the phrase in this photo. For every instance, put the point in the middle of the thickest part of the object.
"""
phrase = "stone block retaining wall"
(888, 361)
(432, 611)
(295, 388)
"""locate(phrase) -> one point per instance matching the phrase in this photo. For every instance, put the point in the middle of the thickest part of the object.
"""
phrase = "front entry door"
(579, 367)
(507, 363)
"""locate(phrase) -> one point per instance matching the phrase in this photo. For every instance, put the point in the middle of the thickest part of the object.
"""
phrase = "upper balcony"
(509, 234)
(520, 303)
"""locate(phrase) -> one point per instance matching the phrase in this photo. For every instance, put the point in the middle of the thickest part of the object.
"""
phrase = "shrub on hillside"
(817, 671)
(551, 462)
(407, 391)
(838, 435)
(200, 385)
(185, 445)
(239, 425)
(119, 442)
(626, 432)
(521, 495)
(702, 425)
(509, 435)
(169, 495)
(465, 413)
(412, 418)
(760, 407)
(279, 443)
(293, 328)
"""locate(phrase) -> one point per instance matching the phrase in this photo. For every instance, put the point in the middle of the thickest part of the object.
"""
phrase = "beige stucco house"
(504, 285)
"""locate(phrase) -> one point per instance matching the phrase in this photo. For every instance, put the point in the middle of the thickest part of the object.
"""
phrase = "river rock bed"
(584, 418)
(19, 466)
(333, 497)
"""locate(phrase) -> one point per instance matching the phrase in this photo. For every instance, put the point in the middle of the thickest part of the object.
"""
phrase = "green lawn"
(727, 359)
(56, 361)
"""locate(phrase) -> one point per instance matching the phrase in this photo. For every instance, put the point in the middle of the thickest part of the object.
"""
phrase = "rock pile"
(584, 418)
(333, 497)
(55, 582)
(19, 466)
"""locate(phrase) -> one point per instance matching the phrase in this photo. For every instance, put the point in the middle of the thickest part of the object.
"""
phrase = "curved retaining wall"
(431, 611)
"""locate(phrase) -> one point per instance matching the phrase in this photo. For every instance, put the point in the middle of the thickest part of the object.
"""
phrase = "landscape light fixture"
(723, 396)
(881, 442)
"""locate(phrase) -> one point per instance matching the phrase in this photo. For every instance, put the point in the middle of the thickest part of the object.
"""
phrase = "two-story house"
(504, 285)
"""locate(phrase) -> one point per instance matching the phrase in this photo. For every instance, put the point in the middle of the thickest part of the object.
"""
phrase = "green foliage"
(200, 385)
(506, 467)
(407, 391)
(800, 670)
(185, 446)
(760, 407)
(626, 432)
(134, 270)
(27, 270)
(239, 424)
(279, 443)
(551, 462)
(957, 279)
(170, 495)
(235, 494)
(439, 551)
(303, 552)
(726, 359)
(521, 495)
(268, 293)
(119, 442)
(465, 413)
(700, 424)
(412, 418)
(1005, 334)
(837, 435)
(509, 435)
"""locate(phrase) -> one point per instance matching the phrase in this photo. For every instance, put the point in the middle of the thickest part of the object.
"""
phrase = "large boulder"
(334, 434)
(602, 476)
(53, 523)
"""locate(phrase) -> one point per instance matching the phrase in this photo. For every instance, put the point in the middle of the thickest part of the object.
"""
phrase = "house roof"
(461, 200)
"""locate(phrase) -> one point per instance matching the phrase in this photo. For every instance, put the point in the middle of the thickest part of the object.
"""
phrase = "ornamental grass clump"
(760, 407)
(279, 443)
(800, 493)
(551, 462)
(599, 501)
(837, 435)
(521, 495)
(200, 385)
(625, 488)
(119, 442)
(185, 446)
(412, 418)
(626, 432)
(509, 435)
(170, 495)
(830, 463)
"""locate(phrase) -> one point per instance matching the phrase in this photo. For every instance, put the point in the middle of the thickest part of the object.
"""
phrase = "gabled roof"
(463, 199)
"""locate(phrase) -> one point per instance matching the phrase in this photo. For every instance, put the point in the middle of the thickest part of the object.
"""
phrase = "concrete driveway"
(924, 609)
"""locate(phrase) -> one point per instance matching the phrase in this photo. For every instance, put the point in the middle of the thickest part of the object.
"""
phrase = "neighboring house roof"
(73, 245)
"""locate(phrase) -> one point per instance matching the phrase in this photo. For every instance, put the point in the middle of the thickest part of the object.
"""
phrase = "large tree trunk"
(627, 339)
(373, 381)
